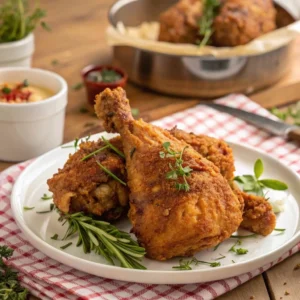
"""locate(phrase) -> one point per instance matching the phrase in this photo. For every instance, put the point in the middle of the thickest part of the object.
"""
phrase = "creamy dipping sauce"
(22, 92)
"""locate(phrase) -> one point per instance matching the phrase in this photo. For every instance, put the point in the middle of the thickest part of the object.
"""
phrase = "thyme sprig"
(205, 23)
(177, 170)
(104, 239)
(256, 185)
(185, 265)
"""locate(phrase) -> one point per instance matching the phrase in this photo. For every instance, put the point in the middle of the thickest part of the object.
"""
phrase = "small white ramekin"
(28, 130)
(17, 54)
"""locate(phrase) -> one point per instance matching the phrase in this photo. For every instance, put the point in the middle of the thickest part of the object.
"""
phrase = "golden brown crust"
(241, 21)
(168, 222)
(258, 216)
(83, 186)
(179, 24)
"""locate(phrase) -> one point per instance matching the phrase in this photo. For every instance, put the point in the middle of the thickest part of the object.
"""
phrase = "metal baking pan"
(194, 76)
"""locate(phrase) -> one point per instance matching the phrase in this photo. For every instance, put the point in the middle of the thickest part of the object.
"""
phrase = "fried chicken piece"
(241, 21)
(258, 214)
(84, 186)
(169, 222)
(179, 24)
(215, 150)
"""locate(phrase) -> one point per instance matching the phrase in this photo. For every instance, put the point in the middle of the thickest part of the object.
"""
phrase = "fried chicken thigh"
(169, 222)
(258, 215)
(84, 186)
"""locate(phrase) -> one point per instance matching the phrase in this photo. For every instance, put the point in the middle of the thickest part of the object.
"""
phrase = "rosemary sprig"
(210, 10)
(185, 265)
(244, 236)
(177, 170)
(94, 152)
(104, 239)
(255, 185)
(112, 147)
(110, 173)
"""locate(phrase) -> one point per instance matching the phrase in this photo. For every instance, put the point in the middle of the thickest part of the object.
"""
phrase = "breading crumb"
(286, 293)
(297, 267)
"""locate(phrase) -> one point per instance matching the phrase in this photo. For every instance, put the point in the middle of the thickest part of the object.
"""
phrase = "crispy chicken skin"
(258, 216)
(84, 186)
(179, 24)
(240, 21)
(168, 222)
(216, 151)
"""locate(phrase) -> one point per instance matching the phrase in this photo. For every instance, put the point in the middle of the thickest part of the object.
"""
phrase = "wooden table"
(78, 39)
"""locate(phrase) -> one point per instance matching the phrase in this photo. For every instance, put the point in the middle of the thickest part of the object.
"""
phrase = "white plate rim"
(146, 276)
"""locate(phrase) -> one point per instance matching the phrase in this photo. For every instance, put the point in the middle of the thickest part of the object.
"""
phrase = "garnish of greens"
(104, 239)
(46, 211)
(17, 20)
(177, 170)
(186, 265)
(46, 197)
(210, 10)
(77, 86)
(291, 114)
(110, 173)
(105, 75)
(238, 251)
(256, 185)
(10, 287)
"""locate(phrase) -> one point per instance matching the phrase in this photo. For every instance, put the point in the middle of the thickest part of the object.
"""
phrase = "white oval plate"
(38, 228)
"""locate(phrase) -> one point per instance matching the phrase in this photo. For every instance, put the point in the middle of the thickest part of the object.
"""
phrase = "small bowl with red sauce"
(97, 78)
(32, 112)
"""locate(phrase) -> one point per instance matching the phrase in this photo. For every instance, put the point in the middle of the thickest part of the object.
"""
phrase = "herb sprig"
(185, 265)
(10, 287)
(291, 114)
(17, 20)
(210, 10)
(255, 185)
(177, 170)
(238, 251)
(104, 239)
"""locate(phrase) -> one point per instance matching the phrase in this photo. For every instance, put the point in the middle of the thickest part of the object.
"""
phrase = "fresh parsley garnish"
(177, 170)
(185, 265)
(6, 90)
(205, 23)
(291, 114)
(104, 239)
(77, 86)
(28, 208)
(238, 251)
(54, 237)
(255, 185)
(10, 287)
(46, 197)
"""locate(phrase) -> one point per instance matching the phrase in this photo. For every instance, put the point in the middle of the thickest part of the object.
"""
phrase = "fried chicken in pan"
(241, 21)
(167, 220)
(258, 215)
(82, 186)
(179, 24)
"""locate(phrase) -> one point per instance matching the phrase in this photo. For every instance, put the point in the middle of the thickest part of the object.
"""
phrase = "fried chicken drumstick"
(258, 214)
(169, 222)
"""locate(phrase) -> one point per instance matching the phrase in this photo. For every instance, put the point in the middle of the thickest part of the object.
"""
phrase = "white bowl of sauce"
(32, 112)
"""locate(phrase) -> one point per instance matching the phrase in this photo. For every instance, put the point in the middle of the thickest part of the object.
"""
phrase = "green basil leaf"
(258, 168)
(274, 184)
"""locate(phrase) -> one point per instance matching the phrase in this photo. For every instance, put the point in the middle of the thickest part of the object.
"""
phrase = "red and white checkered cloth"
(49, 279)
